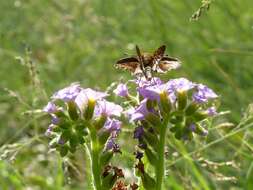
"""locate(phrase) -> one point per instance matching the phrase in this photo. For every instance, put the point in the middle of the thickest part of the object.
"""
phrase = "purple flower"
(154, 92)
(140, 112)
(112, 145)
(192, 127)
(201, 131)
(121, 90)
(113, 126)
(203, 94)
(128, 113)
(205, 133)
(67, 94)
(180, 84)
(50, 108)
(108, 109)
(211, 111)
(145, 86)
(49, 130)
(61, 141)
(55, 120)
(88, 94)
(138, 132)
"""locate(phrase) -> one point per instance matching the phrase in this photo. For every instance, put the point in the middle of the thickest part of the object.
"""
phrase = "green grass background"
(80, 40)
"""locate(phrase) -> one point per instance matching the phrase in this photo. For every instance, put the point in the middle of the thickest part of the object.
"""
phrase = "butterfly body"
(144, 64)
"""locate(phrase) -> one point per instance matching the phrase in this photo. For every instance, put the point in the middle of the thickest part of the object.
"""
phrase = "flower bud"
(103, 136)
(179, 131)
(182, 99)
(100, 122)
(105, 157)
(88, 113)
(165, 103)
(151, 156)
(200, 130)
(73, 142)
(151, 139)
(72, 110)
(64, 125)
(109, 180)
(63, 150)
(191, 109)
(153, 119)
(200, 115)
(148, 181)
(177, 118)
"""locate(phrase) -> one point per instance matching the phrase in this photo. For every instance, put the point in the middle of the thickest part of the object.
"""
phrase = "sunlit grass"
(81, 40)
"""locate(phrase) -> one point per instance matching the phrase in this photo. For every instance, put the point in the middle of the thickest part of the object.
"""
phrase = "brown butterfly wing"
(159, 53)
(129, 63)
(167, 64)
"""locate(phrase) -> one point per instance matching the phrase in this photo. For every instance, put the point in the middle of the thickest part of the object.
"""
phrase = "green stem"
(95, 166)
(161, 149)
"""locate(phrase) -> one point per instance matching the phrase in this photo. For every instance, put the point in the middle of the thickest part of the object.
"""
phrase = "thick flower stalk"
(83, 117)
(179, 106)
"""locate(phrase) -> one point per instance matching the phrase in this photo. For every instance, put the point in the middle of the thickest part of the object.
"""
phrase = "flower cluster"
(84, 117)
(76, 111)
(182, 106)
(187, 105)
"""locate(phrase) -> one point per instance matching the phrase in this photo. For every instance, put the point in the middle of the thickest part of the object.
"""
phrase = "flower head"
(121, 90)
(107, 108)
(140, 112)
(145, 88)
(180, 84)
(67, 94)
(86, 95)
(203, 94)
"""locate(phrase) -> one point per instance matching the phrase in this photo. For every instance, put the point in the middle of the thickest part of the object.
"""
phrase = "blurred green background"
(80, 40)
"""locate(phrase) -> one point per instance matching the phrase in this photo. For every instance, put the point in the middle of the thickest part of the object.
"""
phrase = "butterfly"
(145, 64)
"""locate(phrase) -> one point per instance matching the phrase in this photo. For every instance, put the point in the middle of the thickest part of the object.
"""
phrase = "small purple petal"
(67, 94)
(106, 108)
(128, 113)
(112, 145)
(140, 112)
(203, 94)
(55, 120)
(138, 132)
(50, 108)
(212, 111)
(205, 133)
(61, 141)
(113, 126)
(192, 127)
(49, 130)
(121, 90)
